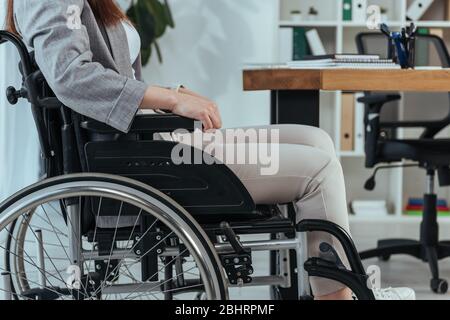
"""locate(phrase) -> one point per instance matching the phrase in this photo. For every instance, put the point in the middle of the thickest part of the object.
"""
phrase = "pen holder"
(402, 45)
(403, 52)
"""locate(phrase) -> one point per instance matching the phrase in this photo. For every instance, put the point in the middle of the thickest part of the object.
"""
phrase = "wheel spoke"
(42, 242)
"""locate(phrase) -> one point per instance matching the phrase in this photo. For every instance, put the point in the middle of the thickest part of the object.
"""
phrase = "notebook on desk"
(344, 61)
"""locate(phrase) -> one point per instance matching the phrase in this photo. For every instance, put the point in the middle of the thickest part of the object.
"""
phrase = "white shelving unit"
(395, 185)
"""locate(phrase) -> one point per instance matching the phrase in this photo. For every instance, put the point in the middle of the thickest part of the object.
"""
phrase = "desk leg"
(295, 107)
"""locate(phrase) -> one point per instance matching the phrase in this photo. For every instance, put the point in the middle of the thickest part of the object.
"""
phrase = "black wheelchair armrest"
(148, 123)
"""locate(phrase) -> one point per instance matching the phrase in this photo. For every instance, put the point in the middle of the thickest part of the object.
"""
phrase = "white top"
(134, 45)
(134, 41)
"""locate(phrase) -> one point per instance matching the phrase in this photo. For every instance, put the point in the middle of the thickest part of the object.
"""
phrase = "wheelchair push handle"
(25, 59)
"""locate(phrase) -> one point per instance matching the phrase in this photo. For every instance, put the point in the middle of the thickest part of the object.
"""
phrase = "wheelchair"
(115, 219)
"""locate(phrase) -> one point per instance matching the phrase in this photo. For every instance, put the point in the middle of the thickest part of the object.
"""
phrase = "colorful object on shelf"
(347, 10)
(415, 207)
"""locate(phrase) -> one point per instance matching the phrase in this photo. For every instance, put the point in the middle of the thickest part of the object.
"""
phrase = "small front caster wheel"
(439, 286)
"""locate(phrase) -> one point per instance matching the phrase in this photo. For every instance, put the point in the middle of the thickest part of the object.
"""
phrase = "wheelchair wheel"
(92, 236)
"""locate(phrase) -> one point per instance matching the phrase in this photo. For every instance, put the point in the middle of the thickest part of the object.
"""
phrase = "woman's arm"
(65, 58)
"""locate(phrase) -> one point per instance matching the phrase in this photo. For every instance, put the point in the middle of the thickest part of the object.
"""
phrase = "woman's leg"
(298, 134)
(314, 181)
(310, 175)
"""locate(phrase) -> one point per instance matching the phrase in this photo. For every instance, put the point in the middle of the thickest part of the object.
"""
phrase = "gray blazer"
(88, 68)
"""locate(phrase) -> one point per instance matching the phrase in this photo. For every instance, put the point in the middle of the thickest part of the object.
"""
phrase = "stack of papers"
(341, 64)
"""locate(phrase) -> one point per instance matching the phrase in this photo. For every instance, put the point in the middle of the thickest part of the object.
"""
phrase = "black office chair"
(430, 153)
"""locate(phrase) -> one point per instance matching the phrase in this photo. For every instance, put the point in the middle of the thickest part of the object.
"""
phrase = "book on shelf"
(348, 122)
(293, 44)
(301, 47)
(315, 43)
(286, 44)
(359, 10)
(447, 10)
(417, 9)
(347, 10)
(415, 207)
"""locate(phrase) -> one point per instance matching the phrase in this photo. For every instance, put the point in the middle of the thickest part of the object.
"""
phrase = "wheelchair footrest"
(358, 283)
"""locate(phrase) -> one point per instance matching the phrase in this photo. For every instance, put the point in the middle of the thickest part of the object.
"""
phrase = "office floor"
(399, 271)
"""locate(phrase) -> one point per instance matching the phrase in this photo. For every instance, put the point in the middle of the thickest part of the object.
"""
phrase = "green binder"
(347, 10)
(301, 47)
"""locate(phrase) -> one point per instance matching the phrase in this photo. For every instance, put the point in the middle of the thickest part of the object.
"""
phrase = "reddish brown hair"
(106, 11)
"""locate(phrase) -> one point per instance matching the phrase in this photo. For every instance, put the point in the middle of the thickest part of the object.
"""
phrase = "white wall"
(206, 51)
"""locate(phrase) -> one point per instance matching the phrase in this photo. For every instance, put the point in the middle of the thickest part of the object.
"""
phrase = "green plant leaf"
(157, 10)
(158, 52)
(146, 24)
(151, 19)
(168, 14)
(146, 55)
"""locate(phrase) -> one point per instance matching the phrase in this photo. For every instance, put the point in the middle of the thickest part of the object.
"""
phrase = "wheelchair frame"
(222, 222)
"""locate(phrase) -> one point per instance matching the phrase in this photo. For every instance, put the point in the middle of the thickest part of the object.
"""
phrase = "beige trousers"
(310, 175)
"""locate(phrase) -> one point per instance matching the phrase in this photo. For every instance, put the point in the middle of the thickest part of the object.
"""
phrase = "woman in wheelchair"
(89, 54)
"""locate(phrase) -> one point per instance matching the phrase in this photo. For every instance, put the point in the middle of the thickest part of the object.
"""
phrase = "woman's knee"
(311, 136)
(322, 140)
(330, 169)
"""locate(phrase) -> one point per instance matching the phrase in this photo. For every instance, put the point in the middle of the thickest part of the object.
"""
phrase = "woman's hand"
(198, 108)
(184, 103)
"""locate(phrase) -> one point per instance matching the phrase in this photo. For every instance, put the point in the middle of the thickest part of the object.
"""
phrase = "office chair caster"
(439, 286)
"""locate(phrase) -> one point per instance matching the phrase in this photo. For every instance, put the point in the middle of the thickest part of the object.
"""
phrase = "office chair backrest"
(431, 50)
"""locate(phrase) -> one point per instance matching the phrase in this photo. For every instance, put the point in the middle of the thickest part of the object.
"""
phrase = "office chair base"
(430, 254)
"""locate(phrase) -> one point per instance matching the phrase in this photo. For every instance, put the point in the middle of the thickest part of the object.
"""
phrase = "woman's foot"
(344, 294)
(394, 294)
(380, 294)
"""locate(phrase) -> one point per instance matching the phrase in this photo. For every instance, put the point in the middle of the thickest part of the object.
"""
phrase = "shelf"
(433, 24)
(287, 23)
(351, 24)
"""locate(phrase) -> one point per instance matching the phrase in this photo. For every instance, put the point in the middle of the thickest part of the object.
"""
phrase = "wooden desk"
(296, 92)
